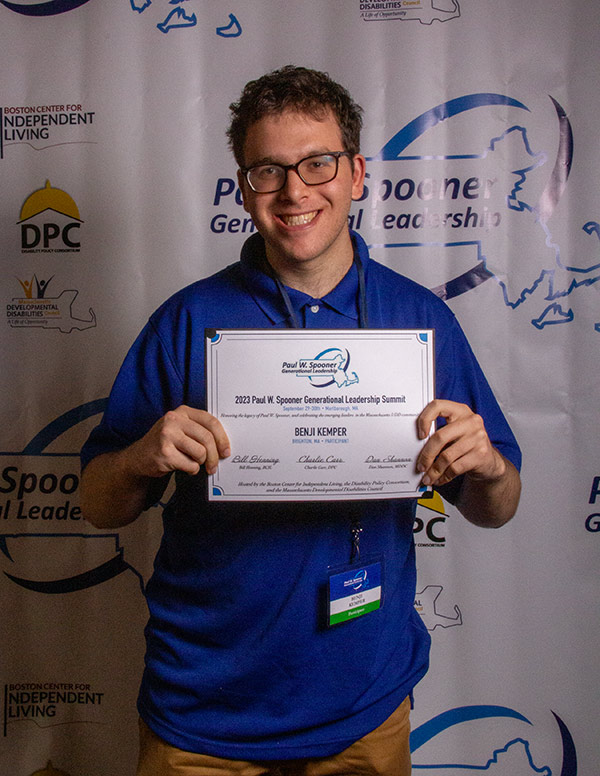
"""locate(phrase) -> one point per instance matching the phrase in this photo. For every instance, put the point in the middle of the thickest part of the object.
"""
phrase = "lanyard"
(363, 319)
(356, 527)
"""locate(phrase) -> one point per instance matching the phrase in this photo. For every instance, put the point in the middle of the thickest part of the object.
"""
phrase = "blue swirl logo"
(49, 8)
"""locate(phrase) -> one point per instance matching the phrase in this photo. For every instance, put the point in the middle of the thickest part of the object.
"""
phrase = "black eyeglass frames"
(312, 170)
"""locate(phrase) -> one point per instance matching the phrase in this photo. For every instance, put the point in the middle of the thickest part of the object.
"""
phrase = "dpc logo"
(50, 222)
(430, 517)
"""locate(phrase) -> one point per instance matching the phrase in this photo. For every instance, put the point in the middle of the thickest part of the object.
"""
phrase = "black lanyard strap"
(363, 318)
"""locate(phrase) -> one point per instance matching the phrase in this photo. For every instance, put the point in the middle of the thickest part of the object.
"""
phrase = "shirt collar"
(262, 286)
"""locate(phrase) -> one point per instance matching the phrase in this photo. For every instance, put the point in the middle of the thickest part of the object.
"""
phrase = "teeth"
(304, 218)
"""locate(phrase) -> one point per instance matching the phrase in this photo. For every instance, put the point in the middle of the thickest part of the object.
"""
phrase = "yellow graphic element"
(49, 770)
(436, 503)
(49, 198)
(27, 286)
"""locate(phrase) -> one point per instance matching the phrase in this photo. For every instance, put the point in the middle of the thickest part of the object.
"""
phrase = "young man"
(243, 676)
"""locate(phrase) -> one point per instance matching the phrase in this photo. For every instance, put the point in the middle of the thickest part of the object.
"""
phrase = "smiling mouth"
(299, 220)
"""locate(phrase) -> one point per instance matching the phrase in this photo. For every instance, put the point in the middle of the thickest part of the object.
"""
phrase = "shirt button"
(314, 308)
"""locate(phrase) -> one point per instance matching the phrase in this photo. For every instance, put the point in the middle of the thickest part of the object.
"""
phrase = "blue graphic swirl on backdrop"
(448, 719)
(415, 128)
(50, 8)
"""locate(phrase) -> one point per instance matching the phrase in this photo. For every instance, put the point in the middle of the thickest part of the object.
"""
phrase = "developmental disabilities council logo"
(328, 367)
(423, 11)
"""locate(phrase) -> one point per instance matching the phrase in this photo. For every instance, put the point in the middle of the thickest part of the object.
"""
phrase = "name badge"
(354, 592)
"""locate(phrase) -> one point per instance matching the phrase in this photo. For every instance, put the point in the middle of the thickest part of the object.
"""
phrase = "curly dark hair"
(299, 89)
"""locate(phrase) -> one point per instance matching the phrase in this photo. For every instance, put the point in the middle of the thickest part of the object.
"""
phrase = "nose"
(294, 187)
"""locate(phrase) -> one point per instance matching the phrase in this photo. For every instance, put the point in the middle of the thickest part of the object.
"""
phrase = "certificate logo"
(327, 368)
(359, 581)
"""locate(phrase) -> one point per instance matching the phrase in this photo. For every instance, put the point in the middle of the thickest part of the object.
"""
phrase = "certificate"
(315, 415)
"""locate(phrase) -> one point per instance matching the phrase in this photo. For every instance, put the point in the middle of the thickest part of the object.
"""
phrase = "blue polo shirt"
(240, 662)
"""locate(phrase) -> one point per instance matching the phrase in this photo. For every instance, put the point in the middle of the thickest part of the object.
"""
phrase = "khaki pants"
(383, 752)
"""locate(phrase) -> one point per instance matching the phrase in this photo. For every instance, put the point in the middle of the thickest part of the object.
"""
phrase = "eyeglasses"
(312, 170)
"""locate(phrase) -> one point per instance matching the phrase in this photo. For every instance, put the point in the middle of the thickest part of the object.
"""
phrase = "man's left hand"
(490, 491)
(461, 446)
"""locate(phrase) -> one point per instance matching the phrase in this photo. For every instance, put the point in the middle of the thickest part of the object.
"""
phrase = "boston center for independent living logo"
(33, 125)
(328, 367)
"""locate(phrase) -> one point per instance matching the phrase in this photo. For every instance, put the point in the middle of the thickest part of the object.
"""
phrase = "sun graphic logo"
(50, 222)
(429, 521)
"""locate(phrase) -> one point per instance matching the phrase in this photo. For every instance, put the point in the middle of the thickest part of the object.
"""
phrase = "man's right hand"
(183, 439)
(115, 486)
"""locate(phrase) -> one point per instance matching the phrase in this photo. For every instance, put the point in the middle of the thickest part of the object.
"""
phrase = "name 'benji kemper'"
(321, 431)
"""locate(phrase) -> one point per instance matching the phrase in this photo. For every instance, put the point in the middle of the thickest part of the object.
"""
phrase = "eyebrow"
(271, 160)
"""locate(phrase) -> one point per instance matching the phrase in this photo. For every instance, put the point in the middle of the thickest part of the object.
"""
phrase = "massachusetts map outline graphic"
(545, 279)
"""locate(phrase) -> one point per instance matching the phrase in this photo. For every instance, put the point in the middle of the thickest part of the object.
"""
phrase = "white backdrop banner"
(118, 189)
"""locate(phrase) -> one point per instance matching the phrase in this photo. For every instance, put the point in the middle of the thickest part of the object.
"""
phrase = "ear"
(359, 168)
(244, 189)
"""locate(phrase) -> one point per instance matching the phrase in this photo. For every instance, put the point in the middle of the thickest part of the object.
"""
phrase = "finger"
(438, 441)
(466, 447)
(214, 425)
(198, 443)
(453, 460)
(208, 431)
(439, 408)
(179, 442)
(164, 450)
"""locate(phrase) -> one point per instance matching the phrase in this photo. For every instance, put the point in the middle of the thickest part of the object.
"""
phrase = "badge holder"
(356, 589)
